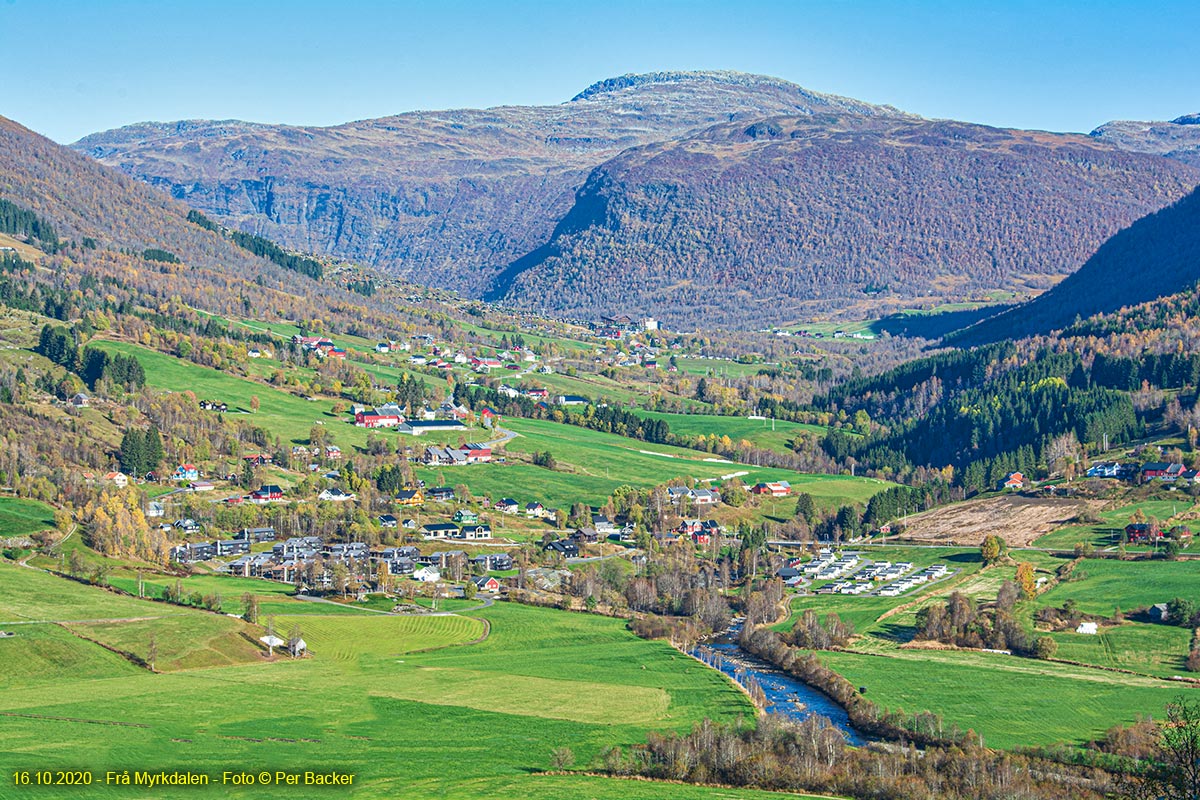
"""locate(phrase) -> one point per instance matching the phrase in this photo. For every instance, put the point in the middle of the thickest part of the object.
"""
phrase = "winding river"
(785, 695)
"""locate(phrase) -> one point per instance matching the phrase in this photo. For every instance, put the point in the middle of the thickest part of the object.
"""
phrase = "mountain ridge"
(476, 199)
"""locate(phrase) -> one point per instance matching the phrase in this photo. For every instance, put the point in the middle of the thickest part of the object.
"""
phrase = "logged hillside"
(743, 225)
(447, 198)
(1157, 256)
(1178, 139)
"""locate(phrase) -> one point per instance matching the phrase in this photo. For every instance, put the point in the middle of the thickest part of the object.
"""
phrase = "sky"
(73, 67)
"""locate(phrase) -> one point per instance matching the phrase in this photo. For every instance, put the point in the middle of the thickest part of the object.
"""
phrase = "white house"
(427, 575)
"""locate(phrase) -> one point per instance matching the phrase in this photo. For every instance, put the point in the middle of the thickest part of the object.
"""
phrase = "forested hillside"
(444, 197)
(1156, 256)
(747, 225)
(658, 194)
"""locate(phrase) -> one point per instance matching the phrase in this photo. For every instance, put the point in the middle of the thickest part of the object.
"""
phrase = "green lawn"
(32, 595)
(21, 517)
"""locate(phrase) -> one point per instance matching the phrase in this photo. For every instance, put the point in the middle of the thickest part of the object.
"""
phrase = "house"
(186, 472)
(79, 400)
(776, 489)
(409, 524)
(388, 521)
(443, 457)
(442, 494)
(1087, 628)
(188, 526)
(564, 547)
(439, 530)
(1180, 533)
(538, 394)
(336, 495)
(333, 452)
(256, 534)
(489, 415)
(117, 479)
(474, 532)
(1104, 469)
(427, 574)
(507, 506)
(1013, 480)
(571, 400)
(493, 562)
(416, 427)
(377, 418)
(259, 460)
(1142, 532)
(155, 509)
(383, 347)
(201, 486)
(1159, 612)
(266, 493)
(465, 516)
(534, 510)
(587, 535)
(409, 497)
(486, 584)
(603, 524)
(197, 551)
(704, 497)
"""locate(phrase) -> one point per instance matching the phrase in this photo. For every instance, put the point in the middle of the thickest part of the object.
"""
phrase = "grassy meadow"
(21, 517)
(473, 720)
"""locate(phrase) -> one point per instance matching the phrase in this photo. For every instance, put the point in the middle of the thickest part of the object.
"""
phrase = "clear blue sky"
(72, 67)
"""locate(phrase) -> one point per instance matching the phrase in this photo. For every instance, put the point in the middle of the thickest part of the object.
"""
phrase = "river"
(787, 696)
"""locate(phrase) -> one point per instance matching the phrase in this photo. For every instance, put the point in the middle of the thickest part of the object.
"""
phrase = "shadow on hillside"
(935, 326)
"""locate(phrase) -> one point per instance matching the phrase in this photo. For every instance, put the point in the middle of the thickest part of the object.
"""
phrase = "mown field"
(21, 517)
(1100, 585)
(1011, 701)
(472, 721)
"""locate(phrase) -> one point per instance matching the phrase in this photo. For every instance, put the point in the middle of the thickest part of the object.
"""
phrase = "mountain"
(1158, 255)
(446, 197)
(745, 225)
(699, 197)
(138, 243)
(1179, 138)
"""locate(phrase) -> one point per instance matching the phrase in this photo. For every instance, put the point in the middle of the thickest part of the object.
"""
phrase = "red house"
(372, 419)
(267, 492)
(487, 584)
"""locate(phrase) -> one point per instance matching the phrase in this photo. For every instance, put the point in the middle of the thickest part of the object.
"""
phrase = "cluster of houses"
(699, 498)
(446, 417)
(319, 345)
(305, 557)
(472, 453)
(213, 405)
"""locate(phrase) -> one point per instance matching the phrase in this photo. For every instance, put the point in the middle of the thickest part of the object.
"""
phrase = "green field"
(1099, 585)
(1011, 701)
(1151, 649)
(478, 720)
(592, 464)
(21, 517)
(183, 641)
(1107, 532)
(770, 434)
